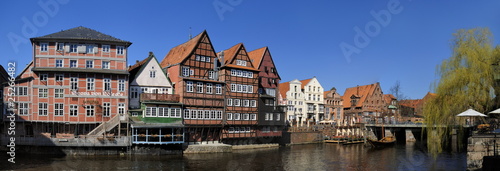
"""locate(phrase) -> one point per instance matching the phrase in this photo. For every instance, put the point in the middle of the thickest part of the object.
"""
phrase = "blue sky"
(304, 37)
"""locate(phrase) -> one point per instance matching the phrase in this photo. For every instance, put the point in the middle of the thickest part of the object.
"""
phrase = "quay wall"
(290, 138)
(479, 146)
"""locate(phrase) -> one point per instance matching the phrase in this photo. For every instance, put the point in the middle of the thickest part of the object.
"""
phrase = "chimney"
(357, 90)
(136, 61)
(150, 54)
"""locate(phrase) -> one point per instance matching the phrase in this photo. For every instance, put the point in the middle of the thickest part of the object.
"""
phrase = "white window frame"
(59, 93)
(199, 87)
(236, 102)
(189, 86)
(185, 71)
(106, 84)
(73, 48)
(89, 48)
(44, 77)
(43, 92)
(89, 64)
(58, 109)
(23, 108)
(246, 103)
(73, 83)
(218, 89)
(73, 110)
(43, 109)
(229, 116)
(187, 114)
(210, 88)
(120, 50)
(253, 117)
(59, 63)
(233, 72)
(106, 64)
(246, 117)
(71, 63)
(121, 108)
(44, 47)
(121, 85)
(21, 91)
(60, 46)
(211, 75)
(229, 102)
(253, 103)
(59, 77)
(236, 116)
(106, 112)
(89, 110)
(250, 89)
(106, 48)
(233, 87)
(90, 83)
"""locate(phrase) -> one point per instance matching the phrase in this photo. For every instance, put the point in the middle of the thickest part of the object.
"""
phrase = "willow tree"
(465, 81)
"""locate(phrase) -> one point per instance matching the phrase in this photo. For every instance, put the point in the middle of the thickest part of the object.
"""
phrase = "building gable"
(151, 74)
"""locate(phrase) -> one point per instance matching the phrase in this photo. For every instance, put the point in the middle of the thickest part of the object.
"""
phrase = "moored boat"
(384, 142)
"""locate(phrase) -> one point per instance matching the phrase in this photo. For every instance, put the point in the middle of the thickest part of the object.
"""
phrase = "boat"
(384, 142)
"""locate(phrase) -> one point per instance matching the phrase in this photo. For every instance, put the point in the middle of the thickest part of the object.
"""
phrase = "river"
(297, 157)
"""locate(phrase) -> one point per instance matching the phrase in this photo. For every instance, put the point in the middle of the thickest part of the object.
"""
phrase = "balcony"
(151, 97)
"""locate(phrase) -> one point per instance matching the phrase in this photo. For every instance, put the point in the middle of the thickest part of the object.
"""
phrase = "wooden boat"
(384, 142)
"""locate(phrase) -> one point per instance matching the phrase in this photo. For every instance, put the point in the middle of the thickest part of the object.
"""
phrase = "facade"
(76, 85)
(193, 69)
(240, 76)
(4, 81)
(363, 103)
(156, 111)
(271, 115)
(304, 100)
(419, 109)
(334, 110)
(390, 106)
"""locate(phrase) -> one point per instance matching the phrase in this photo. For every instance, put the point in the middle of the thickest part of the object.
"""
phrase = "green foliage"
(466, 81)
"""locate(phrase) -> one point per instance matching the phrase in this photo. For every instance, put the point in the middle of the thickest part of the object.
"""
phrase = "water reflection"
(297, 157)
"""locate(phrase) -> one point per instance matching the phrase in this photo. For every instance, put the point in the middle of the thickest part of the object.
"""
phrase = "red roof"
(358, 91)
(256, 56)
(283, 88)
(388, 98)
(179, 53)
(232, 52)
(410, 103)
(304, 82)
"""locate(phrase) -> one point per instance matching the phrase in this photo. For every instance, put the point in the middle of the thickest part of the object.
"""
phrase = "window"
(43, 92)
(89, 64)
(278, 116)
(43, 109)
(185, 71)
(202, 58)
(253, 117)
(105, 64)
(152, 74)
(58, 109)
(236, 102)
(186, 114)
(233, 87)
(74, 83)
(197, 58)
(121, 108)
(21, 91)
(246, 116)
(246, 103)
(229, 102)
(244, 74)
(189, 86)
(207, 114)
(60, 46)
(59, 63)
(107, 84)
(218, 89)
(105, 48)
(207, 59)
(209, 88)
(239, 73)
(243, 63)
(73, 48)
(238, 62)
(73, 64)
(211, 74)
(59, 93)
(90, 48)
(89, 110)
(233, 72)
(44, 77)
(219, 114)
(44, 47)
(193, 114)
(250, 74)
(253, 103)
(229, 116)
(90, 83)
(23, 108)
(59, 77)
(244, 88)
(73, 110)
(236, 116)
(106, 109)
(119, 50)
(199, 87)
(121, 85)
(133, 93)
(239, 87)
(250, 89)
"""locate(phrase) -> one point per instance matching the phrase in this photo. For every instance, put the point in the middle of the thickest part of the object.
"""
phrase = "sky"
(342, 43)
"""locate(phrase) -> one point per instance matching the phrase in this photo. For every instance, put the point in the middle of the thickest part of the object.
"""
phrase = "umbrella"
(471, 112)
(496, 111)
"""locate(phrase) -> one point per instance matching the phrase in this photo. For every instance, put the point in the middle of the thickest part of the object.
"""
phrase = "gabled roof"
(134, 69)
(304, 82)
(388, 98)
(231, 53)
(283, 88)
(181, 52)
(256, 56)
(80, 33)
(410, 103)
(359, 91)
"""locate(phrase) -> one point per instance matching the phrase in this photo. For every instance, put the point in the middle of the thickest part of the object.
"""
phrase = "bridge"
(408, 131)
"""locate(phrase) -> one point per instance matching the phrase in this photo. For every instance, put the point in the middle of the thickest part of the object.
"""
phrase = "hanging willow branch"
(466, 81)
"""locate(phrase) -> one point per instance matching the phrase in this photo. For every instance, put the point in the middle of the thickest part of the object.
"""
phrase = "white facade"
(149, 79)
(304, 100)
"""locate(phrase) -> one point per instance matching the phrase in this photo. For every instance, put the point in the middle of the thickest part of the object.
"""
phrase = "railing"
(105, 126)
(159, 97)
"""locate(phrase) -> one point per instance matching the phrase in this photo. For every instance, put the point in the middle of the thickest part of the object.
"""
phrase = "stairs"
(106, 126)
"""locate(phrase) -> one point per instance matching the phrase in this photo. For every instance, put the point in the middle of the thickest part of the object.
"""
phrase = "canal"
(296, 157)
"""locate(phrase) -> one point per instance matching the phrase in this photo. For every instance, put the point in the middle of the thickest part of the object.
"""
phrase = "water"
(298, 157)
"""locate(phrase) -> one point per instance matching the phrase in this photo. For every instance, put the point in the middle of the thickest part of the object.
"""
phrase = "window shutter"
(82, 48)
